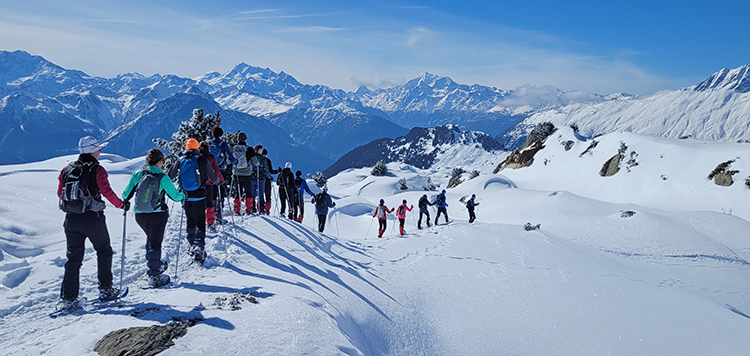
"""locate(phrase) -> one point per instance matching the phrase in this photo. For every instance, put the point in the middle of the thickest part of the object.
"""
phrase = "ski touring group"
(207, 174)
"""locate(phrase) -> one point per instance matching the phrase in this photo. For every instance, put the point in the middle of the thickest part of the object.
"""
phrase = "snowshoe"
(199, 255)
(211, 229)
(158, 281)
(107, 294)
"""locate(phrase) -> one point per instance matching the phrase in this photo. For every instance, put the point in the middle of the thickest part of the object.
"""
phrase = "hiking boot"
(158, 280)
(199, 254)
(109, 293)
(67, 306)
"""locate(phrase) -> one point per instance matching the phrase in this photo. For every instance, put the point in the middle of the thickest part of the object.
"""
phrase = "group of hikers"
(204, 181)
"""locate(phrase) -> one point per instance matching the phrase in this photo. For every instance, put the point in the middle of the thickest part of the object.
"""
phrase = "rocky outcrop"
(612, 166)
(524, 155)
(142, 341)
(722, 175)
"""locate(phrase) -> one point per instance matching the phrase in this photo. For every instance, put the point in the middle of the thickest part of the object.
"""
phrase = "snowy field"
(671, 279)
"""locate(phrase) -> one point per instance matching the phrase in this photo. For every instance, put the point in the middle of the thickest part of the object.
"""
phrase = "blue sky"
(638, 47)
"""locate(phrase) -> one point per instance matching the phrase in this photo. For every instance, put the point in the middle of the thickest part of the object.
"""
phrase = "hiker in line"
(221, 151)
(423, 203)
(211, 189)
(322, 202)
(470, 206)
(260, 175)
(287, 191)
(269, 179)
(401, 215)
(441, 205)
(194, 171)
(247, 162)
(149, 187)
(81, 185)
(302, 187)
(380, 212)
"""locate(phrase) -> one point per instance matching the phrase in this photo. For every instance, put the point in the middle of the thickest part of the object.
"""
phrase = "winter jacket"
(222, 152)
(302, 186)
(263, 172)
(205, 173)
(423, 203)
(380, 211)
(270, 167)
(471, 204)
(444, 201)
(404, 210)
(165, 186)
(327, 203)
(252, 162)
(101, 188)
(286, 181)
(215, 166)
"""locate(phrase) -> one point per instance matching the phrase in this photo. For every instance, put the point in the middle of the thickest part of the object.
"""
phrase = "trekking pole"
(368, 229)
(122, 258)
(179, 241)
(337, 223)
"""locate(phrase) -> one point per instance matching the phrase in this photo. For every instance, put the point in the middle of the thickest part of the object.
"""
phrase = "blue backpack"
(218, 153)
(190, 174)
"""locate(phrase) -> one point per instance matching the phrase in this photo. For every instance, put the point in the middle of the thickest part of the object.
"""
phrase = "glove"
(334, 204)
(126, 205)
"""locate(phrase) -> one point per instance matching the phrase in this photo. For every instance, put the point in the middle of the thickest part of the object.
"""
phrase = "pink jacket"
(404, 210)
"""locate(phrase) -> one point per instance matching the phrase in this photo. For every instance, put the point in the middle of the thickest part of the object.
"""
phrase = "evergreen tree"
(455, 177)
(320, 179)
(198, 127)
(380, 169)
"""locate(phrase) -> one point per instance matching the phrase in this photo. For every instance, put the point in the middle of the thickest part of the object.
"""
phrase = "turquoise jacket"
(165, 185)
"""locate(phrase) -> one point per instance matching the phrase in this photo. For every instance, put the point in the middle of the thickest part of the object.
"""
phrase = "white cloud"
(419, 36)
(376, 81)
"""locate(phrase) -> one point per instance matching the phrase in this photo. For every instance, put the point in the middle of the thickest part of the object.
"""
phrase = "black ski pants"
(321, 222)
(195, 213)
(78, 227)
(153, 224)
(419, 222)
(287, 195)
(472, 216)
(441, 210)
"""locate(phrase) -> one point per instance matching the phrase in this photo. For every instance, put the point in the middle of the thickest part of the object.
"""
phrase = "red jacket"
(215, 166)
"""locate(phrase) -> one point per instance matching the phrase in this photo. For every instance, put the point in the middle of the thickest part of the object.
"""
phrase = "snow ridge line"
(696, 257)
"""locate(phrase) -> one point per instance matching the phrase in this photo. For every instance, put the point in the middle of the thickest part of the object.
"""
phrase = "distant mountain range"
(45, 108)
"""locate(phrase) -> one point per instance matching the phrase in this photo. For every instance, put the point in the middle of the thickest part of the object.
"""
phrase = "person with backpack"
(247, 163)
(211, 189)
(322, 202)
(302, 187)
(441, 207)
(470, 206)
(380, 212)
(423, 203)
(269, 179)
(194, 171)
(401, 215)
(261, 174)
(287, 191)
(221, 151)
(149, 186)
(81, 186)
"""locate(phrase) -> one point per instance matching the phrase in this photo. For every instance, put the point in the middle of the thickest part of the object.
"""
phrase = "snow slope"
(672, 279)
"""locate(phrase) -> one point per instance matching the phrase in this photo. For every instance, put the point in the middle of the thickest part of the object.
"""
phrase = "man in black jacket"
(423, 203)
(287, 190)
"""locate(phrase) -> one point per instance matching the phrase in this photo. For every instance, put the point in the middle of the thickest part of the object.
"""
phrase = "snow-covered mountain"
(431, 100)
(716, 109)
(422, 148)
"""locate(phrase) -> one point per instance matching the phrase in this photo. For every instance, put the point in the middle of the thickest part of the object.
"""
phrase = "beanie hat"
(88, 144)
(288, 165)
(217, 132)
(443, 191)
(192, 144)
(242, 137)
(382, 201)
(298, 173)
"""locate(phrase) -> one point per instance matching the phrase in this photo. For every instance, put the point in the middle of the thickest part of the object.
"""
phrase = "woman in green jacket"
(149, 186)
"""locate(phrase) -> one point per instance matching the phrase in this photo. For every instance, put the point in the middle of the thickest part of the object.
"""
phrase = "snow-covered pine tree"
(380, 169)
(198, 127)
(456, 177)
(320, 179)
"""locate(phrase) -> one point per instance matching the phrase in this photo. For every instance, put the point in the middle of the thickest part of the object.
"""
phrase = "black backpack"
(320, 200)
(76, 196)
(468, 205)
(440, 199)
(400, 210)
